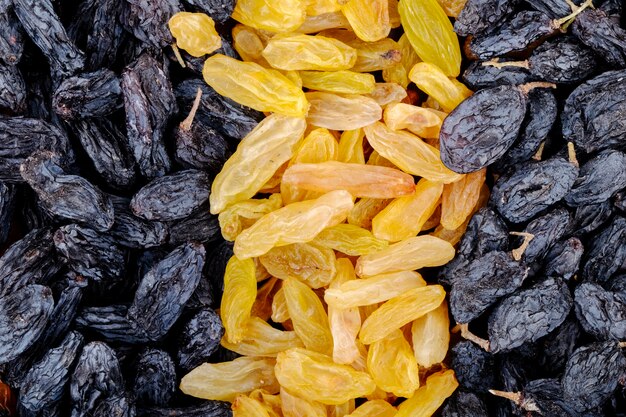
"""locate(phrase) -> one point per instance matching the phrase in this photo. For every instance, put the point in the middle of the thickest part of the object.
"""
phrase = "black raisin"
(199, 339)
(93, 94)
(607, 39)
(602, 313)
(564, 258)
(599, 179)
(473, 366)
(606, 253)
(155, 378)
(479, 15)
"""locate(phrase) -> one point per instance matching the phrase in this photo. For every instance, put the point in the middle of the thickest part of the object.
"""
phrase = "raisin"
(606, 252)
(473, 366)
(427, 399)
(115, 406)
(478, 75)
(94, 94)
(204, 409)
(219, 10)
(195, 33)
(23, 317)
(201, 146)
(592, 186)
(105, 35)
(464, 403)
(201, 226)
(199, 339)
(12, 89)
(557, 346)
(319, 53)
(480, 15)
(606, 38)
(564, 258)
(155, 378)
(393, 366)
(67, 196)
(342, 111)
(111, 324)
(134, 232)
(562, 60)
(153, 30)
(546, 231)
(590, 217)
(172, 197)
(528, 315)
(533, 187)
(601, 313)
(11, 37)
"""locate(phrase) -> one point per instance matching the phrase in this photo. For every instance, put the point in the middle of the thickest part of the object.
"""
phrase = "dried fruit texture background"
(276, 208)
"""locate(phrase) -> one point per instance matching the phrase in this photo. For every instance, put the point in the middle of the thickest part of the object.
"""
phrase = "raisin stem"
(537, 156)
(622, 345)
(516, 397)
(517, 253)
(468, 335)
(564, 22)
(497, 64)
(178, 56)
(186, 124)
(571, 153)
(525, 88)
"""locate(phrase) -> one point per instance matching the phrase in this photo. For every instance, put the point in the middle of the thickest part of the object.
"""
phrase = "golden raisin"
(261, 339)
(392, 365)
(238, 298)
(304, 52)
(195, 33)
(431, 336)
(342, 111)
(271, 15)
(429, 397)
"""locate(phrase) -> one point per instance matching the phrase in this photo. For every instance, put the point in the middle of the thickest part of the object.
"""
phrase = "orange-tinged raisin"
(298, 52)
(431, 336)
(345, 82)
(247, 407)
(358, 179)
(280, 312)
(195, 33)
(434, 220)
(274, 16)
(262, 307)
(392, 365)
(424, 122)
(404, 217)
(271, 403)
(409, 153)
(365, 210)
(295, 223)
(368, 18)
(428, 398)
(433, 81)
(345, 323)
(294, 406)
(241, 215)
(238, 298)
(350, 239)
(388, 93)
(342, 111)
(252, 85)
(311, 263)
(375, 408)
(452, 7)
(310, 320)
(261, 339)
(224, 381)
(412, 253)
(351, 146)
(314, 376)
(430, 32)
(273, 142)
(376, 289)
(400, 311)
(249, 44)
(459, 199)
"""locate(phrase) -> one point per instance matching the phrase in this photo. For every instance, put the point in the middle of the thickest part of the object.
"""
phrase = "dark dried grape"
(199, 339)
(207, 409)
(606, 253)
(473, 367)
(480, 15)
(149, 103)
(215, 267)
(515, 35)
(134, 232)
(97, 376)
(601, 313)
(557, 346)
(545, 397)
(92, 94)
(24, 314)
(599, 179)
(45, 383)
(528, 315)
(172, 197)
(464, 404)
(147, 20)
(116, 406)
(45, 29)
(592, 374)
(105, 35)
(533, 187)
(590, 217)
(562, 60)
(155, 378)
(165, 289)
(564, 258)
(219, 10)
(619, 201)
(67, 196)
(606, 38)
(12, 89)
(201, 226)
(201, 147)
(593, 114)
(111, 323)
(480, 129)
(546, 231)
(553, 8)
(11, 37)
(477, 75)
(482, 282)
(106, 146)
(7, 208)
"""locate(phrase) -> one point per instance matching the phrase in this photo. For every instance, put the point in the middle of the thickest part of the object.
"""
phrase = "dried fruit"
(428, 398)
(369, 19)
(238, 298)
(195, 33)
(448, 92)
(431, 336)
(296, 52)
(342, 112)
(349, 239)
(393, 366)
(285, 16)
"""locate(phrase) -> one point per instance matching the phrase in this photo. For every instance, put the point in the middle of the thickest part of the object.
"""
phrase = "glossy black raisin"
(219, 10)
(589, 218)
(92, 94)
(111, 324)
(201, 226)
(201, 146)
(563, 61)
(477, 75)
(11, 37)
(605, 37)
(463, 404)
(134, 232)
(546, 231)
(600, 178)
(105, 35)
(12, 89)
(116, 406)
(564, 258)
(480, 15)
(153, 30)
(553, 8)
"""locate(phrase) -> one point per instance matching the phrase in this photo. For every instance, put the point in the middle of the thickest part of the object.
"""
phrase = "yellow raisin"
(271, 403)
(247, 407)
(452, 7)
(365, 210)
(224, 381)
(404, 217)
(345, 323)
(434, 219)
(347, 82)
(424, 122)
(433, 81)
(460, 198)
(368, 18)
(238, 297)
(298, 51)
(314, 376)
(375, 408)
(243, 214)
(272, 186)
(351, 146)
(261, 339)
(375, 56)
(249, 44)
(412, 253)
(408, 56)
(295, 223)
(358, 179)
(373, 290)
(294, 406)
(431, 336)
(392, 365)
(252, 85)
(350, 239)
(280, 313)
(396, 74)
(315, 24)
(430, 32)
(311, 263)
(388, 93)
(342, 410)
(400, 311)
(262, 306)
(342, 111)
(428, 398)
(272, 141)
(274, 16)
(409, 153)
(318, 7)
(195, 33)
